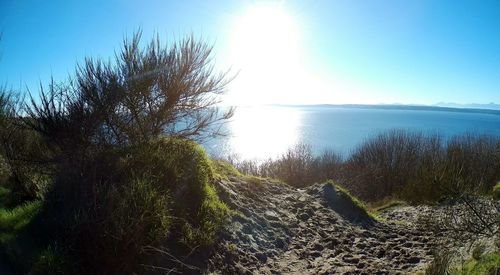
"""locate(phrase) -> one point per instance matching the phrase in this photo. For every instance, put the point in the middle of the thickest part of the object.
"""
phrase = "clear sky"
(299, 52)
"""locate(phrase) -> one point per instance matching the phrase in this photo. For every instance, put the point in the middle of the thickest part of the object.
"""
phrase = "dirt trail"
(283, 230)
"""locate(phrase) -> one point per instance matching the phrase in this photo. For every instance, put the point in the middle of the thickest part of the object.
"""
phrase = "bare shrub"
(416, 167)
(469, 218)
(440, 264)
(22, 150)
(156, 90)
(468, 224)
(473, 161)
(384, 164)
(326, 166)
(422, 168)
(293, 166)
(298, 166)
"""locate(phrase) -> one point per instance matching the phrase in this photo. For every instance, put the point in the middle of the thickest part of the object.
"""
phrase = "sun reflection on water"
(258, 133)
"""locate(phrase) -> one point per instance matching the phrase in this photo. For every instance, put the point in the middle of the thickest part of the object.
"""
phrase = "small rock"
(360, 245)
(414, 260)
(350, 260)
(271, 215)
(304, 216)
(406, 266)
(247, 229)
(315, 254)
(279, 243)
(318, 247)
(408, 244)
(332, 241)
(261, 256)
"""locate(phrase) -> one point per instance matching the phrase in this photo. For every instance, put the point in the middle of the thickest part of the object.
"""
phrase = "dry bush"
(469, 218)
(383, 165)
(422, 168)
(397, 164)
(23, 152)
(297, 166)
(467, 222)
(156, 90)
(440, 264)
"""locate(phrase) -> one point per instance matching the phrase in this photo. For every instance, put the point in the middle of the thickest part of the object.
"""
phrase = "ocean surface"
(257, 133)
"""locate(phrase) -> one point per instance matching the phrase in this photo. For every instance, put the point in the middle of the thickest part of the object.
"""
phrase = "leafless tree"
(146, 92)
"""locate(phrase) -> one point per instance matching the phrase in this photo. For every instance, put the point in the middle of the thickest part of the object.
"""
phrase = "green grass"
(254, 179)
(496, 191)
(386, 204)
(165, 197)
(212, 214)
(223, 169)
(488, 263)
(183, 169)
(12, 221)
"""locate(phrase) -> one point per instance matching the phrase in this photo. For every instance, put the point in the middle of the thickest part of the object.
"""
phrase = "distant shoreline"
(398, 107)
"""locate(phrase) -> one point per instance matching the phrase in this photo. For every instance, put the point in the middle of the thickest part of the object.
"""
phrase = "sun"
(265, 32)
(265, 49)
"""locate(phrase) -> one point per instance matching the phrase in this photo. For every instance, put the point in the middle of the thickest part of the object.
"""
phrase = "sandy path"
(282, 230)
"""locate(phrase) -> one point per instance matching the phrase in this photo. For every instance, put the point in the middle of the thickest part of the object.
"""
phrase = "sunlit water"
(266, 132)
(261, 132)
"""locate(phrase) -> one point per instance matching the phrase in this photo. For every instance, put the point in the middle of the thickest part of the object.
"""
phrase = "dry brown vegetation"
(399, 164)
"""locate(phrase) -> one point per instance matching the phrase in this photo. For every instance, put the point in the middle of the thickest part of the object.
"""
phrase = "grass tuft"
(488, 263)
(496, 191)
(12, 221)
(255, 180)
(223, 169)
(185, 171)
(50, 261)
(386, 204)
(440, 264)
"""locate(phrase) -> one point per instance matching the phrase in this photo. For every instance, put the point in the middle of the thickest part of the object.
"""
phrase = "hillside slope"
(280, 229)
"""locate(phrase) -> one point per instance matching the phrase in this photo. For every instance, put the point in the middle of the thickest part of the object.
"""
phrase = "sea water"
(257, 133)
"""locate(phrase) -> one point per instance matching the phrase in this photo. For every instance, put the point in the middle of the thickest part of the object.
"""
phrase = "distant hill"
(491, 106)
(409, 107)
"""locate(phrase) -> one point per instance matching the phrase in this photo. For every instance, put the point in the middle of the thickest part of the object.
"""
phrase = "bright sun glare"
(260, 132)
(265, 48)
(265, 33)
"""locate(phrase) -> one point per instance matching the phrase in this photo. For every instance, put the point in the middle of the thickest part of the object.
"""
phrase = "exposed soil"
(283, 230)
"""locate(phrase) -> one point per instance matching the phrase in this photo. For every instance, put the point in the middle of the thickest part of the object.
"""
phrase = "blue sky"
(339, 51)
